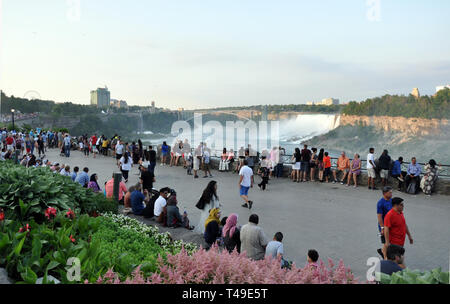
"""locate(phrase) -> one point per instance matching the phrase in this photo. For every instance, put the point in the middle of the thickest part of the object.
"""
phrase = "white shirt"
(370, 156)
(247, 173)
(127, 166)
(160, 203)
(119, 149)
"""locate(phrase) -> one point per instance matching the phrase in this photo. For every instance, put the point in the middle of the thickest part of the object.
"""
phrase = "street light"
(12, 113)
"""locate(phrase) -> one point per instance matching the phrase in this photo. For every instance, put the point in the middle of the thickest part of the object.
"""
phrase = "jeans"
(151, 168)
(67, 151)
(278, 170)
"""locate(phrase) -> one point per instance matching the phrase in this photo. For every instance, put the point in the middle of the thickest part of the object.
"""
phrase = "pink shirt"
(109, 188)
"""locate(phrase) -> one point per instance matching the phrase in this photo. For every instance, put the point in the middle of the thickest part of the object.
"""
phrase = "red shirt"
(9, 140)
(327, 162)
(397, 227)
(94, 140)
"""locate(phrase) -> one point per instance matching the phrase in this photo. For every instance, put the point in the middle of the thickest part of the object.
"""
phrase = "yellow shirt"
(105, 144)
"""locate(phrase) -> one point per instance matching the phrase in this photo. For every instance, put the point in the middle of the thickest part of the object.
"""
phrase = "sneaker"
(205, 176)
(342, 183)
(196, 176)
(244, 205)
(334, 182)
(250, 204)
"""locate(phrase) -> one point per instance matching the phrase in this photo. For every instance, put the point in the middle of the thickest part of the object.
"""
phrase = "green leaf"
(19, 246)
(29, 276)
(52, 265)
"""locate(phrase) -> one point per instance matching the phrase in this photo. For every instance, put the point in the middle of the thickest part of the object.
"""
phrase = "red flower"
(72, 239)
(25, 228)
(50, 212)
(2, 215)
(70, 214)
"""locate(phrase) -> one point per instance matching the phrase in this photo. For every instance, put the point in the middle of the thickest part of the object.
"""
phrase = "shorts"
(296, 166)
(177, 154)
(118, 156)
(304, 166)
(327, 172)
(196, 163)
(165, 153)
(243, 190)
(10, 147)
(205, 167)
(371, 173)
(384, 173)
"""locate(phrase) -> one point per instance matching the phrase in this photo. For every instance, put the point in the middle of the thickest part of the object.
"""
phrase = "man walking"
(245, 183)
(66, 145)
(384, 205)
(395, 228)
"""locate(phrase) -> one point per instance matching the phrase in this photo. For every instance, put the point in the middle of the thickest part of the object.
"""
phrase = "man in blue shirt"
(74, 173)
(397, 172)
(137, 201)
(383, 207)
(413, 175)
(83, 178)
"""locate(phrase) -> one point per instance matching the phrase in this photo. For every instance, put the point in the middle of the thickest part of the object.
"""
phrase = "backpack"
(411, 188)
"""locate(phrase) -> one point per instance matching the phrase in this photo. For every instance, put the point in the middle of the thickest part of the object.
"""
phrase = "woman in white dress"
(208, 201)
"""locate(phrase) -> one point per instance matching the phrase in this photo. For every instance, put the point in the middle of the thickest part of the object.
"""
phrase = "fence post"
(16, 156)
(117, 180)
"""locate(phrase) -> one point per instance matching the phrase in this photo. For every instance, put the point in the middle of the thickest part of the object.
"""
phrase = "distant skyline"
(206, 54)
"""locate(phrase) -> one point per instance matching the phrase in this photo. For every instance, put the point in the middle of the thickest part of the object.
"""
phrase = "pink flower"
(25, 228)
(72, 239)
(70, 214)
(50, 213)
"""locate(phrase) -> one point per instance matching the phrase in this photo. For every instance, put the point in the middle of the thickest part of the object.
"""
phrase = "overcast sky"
(210, 53)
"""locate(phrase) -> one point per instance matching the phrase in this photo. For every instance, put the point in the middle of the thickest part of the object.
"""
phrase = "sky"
(210, 53)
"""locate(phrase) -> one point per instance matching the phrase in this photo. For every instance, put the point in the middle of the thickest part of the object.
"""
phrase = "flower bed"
(214, 267)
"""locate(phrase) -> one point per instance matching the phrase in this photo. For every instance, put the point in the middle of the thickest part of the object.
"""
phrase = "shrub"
(407, 276)
(27, 192)
(214, 267)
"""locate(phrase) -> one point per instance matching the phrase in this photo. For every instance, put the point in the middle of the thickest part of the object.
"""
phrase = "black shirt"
(385, 161)
(233, 242)
(211, 232)
(152, 154)
(298, 157)
(306, 155)
(147, 180)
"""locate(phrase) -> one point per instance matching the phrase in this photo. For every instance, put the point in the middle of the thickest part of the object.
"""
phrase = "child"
(313, 257)
(264, 172)
(327, 166)
(189, 163)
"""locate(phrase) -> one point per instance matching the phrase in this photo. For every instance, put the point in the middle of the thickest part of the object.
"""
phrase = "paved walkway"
(337, 221)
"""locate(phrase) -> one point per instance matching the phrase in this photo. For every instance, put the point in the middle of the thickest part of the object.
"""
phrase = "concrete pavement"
(339, 222)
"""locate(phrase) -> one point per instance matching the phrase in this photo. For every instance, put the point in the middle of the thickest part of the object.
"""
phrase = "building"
(329, 101)
(310, 103)
(440, 88)
(101, 98)
(415, 92)
(118, 103)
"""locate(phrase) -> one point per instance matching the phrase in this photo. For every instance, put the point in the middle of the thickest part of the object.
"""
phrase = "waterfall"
(306, 126)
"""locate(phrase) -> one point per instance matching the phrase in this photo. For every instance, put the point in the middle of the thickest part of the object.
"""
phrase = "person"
(231, 234)
(165, 153)
(397, 172)
(223, 160)
(355, 170)
(93, 184)
(394, 262)
(147, 179)
(326, 166)
(313, 164)
(296, 158)
(119, 148)
(304, 165)
(186, 151)
(152, 160)
(205, 162)
(253, 239)
(198, 156)
(138, 201)
(430, 177)
(395, 227)
(94, 144)
(125, 165)
(371, 169)
(207, 201)
(212, 229)
(109, 188)
(160, 203)
(279, 167)
(65, 171)
(241, 155)
(320, 164)
(67, 145)
(264, 172)
(312, 258)
(385, 163)
(74, 173)
(83, 177)
(189, 162)
(41, 147)
(274, 248)
(413, 175)
(105, 143)
(249, 154)
(245, 183)
(86, 146)
(343, 165)
(174, 218)
(384, 205)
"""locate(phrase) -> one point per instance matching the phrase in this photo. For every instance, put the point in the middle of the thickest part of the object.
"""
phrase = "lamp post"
(12, 113)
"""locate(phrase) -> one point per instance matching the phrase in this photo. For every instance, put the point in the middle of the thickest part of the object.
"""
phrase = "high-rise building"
(101, 98)
(119, 103)
(415, 92)
(439, 88)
